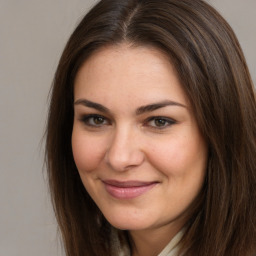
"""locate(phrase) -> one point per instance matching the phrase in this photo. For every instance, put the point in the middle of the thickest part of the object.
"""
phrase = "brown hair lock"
(214, 75)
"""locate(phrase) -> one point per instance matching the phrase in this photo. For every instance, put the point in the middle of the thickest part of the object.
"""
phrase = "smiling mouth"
(127, 189)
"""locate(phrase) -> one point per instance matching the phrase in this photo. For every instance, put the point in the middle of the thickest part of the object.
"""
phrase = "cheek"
(180, 156)
(87, 152)
(167, 156)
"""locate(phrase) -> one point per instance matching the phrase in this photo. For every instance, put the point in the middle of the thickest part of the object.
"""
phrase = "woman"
(151, 139)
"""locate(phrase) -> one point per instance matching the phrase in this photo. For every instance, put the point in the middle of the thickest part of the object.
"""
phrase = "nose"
(125, 150)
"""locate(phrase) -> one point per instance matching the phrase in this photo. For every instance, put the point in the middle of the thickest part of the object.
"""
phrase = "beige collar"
(171, 249)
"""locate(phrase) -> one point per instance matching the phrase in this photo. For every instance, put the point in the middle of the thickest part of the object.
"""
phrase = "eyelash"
(167, 122)
(164, 121)
(87, 118)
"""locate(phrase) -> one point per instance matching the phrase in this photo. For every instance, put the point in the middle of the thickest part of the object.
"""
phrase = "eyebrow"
(139, 111)
(90, 104)
(157, 105)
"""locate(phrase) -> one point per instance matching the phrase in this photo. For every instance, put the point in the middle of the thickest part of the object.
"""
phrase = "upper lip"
(129, 183)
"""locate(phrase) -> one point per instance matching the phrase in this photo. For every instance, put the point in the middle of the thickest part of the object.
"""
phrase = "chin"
(127, 225)
(127, 222)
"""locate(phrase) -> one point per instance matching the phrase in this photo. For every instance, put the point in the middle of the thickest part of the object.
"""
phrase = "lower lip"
(128, 192)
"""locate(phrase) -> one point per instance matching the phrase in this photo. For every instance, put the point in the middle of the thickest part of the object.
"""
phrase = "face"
(136, 143)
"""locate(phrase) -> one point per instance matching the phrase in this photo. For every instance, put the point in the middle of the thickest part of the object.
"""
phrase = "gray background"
(32, 36)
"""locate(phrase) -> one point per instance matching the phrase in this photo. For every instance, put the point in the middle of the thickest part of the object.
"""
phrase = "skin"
(126, 142)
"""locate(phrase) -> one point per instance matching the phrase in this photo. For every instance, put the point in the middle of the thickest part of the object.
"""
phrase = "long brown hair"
(214, 75)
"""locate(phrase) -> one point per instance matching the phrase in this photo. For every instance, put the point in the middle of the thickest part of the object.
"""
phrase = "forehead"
(127, 58)
(140, 72)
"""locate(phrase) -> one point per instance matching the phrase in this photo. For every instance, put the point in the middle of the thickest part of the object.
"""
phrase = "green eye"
(160, 122)
(97, 120)
(94, 120)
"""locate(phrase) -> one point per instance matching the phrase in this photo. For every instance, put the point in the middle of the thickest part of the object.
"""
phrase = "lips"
(127, 189)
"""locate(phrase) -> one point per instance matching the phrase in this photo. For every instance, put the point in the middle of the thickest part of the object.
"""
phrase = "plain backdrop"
(32, 36)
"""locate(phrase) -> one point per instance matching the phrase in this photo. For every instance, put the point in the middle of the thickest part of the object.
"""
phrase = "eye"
(159, 122)
(94, 120)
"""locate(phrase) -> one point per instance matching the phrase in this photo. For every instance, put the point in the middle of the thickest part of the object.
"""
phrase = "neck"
(151, 242)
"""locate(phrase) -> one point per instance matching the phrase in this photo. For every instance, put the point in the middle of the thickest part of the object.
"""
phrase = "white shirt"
(171, 249)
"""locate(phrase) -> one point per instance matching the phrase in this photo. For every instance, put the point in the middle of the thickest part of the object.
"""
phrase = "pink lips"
(127, 189)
